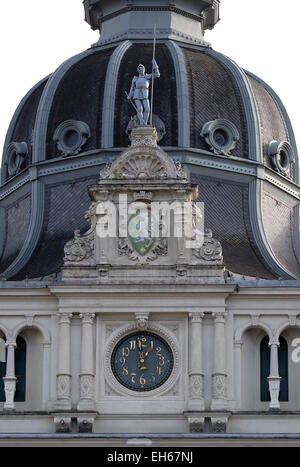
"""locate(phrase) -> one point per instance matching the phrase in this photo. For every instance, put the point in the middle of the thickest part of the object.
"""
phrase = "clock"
(142, 361)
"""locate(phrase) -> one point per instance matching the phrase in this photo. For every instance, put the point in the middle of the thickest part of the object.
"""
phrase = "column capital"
(219, 317)
(274, 343)
(64, 318)
(87, 318)
(10, 344)
(196, 317)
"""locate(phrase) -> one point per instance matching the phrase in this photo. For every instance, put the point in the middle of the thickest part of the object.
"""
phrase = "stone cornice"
(188, 156)
(170, 8)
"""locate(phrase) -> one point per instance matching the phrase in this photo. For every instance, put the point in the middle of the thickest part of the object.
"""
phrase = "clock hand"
(141, 364)
(149, 350)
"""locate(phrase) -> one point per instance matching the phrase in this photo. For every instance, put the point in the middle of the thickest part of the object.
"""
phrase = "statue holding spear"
(139, 92)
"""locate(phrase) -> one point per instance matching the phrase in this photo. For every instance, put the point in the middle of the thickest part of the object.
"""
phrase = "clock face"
(142, 361)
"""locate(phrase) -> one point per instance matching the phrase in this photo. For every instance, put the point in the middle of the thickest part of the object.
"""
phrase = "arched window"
(20, 372)
(265, 369)
(2, 369)
(20, 369)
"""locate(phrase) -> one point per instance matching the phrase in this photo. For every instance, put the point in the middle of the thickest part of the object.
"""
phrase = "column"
(274, 378)
(238, 373)
(46, 374)
(196, 377)
(87, 375)
(219, 376)
(10, 380)
(63, 380)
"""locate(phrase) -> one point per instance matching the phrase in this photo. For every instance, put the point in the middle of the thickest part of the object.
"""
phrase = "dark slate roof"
(79, 96)
(226, 213)
(42, 213)
(273, 124)
(214, 94)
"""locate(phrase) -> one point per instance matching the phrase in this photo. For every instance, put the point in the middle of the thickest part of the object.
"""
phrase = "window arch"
(265, 369)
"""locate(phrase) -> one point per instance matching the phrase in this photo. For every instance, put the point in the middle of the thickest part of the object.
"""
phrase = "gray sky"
(38, 35)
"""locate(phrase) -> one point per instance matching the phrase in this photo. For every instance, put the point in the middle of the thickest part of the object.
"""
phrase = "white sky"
(36, 36)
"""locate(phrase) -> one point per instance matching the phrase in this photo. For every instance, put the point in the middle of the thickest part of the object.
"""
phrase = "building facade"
(118, 339)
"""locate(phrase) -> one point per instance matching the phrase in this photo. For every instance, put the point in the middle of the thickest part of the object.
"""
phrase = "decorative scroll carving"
(180, 171)
(81, 248)
(105, 173)
(211, 250)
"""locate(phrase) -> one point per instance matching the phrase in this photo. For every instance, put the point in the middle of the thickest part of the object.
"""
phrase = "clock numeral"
(158, 351)
(125, 371)
(123, 361)
(158, 369)
(152, 378)
(142, 381)
(133, 375)
(161, 360)
(132, 345)
(125, 351)
(142, 342)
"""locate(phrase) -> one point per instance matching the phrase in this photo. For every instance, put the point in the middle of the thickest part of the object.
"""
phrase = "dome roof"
(217, 119)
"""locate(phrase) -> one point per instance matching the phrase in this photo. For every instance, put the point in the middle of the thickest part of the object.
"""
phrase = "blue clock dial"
(142, 361)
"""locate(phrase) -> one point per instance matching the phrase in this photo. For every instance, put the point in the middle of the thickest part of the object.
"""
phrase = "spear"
(153, 77)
